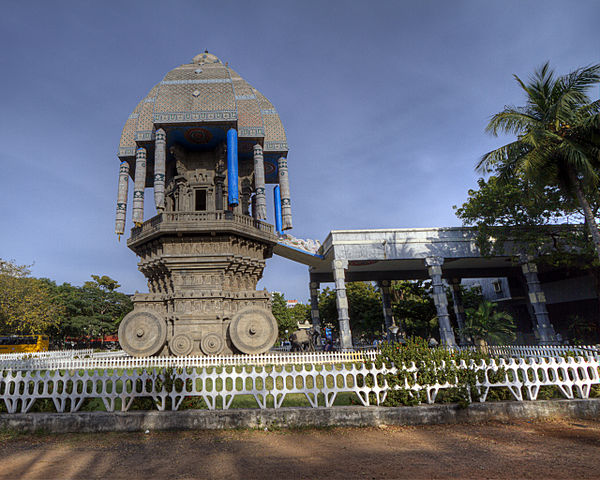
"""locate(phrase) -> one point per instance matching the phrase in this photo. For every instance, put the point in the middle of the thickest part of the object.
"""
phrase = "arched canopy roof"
(209, 94)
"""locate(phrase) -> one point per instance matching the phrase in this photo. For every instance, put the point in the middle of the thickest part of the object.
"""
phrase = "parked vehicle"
(24, 343)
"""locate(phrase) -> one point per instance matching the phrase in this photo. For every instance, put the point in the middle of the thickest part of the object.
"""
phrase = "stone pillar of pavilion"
(259, 183)
(459, 310)
(122, 198)
(139, 185)
(537, 299)
(434, 267)
(338, 267)
(386, 300)
(314, 306)
(219, 191)
(284, 185)
(160, 155)
(253, 206)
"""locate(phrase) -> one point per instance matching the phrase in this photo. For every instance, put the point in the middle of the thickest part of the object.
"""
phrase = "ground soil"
(550, 449)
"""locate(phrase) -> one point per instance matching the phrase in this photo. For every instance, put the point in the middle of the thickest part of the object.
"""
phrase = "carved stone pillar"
(259, 183)
(219, 181)
(122, 198)
(434, 266)
(386, 300)
(253, 205)
(160, 155)
(139, 185)
(459, 310)
(314, 306)
(537, 299)
(245, 195)
(286, 203)
(341, 301)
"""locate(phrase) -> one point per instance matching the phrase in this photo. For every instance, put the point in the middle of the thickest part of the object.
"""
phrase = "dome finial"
(205, 58)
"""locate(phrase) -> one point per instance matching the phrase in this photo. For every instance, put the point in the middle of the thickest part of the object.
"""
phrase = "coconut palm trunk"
(587, 210)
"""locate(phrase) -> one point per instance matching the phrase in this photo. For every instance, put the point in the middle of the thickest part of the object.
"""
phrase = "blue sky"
(384, 105)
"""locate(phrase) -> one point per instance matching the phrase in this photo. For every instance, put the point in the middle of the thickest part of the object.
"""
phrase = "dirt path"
(556, 449)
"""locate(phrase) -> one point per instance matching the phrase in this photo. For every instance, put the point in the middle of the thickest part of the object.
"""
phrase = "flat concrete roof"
(400, 253)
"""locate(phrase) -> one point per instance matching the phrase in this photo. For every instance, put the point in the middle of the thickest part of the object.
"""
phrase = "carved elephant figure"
(303, 340)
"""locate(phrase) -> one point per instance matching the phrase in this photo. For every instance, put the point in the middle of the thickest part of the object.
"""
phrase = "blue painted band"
(277, 202)
(232, 167)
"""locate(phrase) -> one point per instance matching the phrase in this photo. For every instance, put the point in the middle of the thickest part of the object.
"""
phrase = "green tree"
(95, 309)
(486, 324)
(285, 321)
(558, 139)
(328, 309)
(27, 305)
(413, 307)
(300, 313)
(364, 308)
(514, 209)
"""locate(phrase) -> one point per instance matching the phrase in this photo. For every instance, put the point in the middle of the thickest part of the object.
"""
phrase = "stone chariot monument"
(207, 142)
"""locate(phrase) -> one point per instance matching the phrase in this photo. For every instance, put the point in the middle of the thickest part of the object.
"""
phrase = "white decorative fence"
(540, 351)
(269, 385)
(96, 361)
(88, 359)
(47, 354)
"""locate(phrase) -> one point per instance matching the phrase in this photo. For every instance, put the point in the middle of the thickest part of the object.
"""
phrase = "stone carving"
(253, 330)
(142, 333)
(304, 340)
(201, 255)
(308, 245)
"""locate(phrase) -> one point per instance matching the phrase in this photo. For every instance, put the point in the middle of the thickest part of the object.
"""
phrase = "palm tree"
(486, 324)
(558, 138)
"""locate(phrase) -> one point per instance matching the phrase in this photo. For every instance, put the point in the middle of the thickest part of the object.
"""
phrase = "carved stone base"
(156, 327)
(203, 298)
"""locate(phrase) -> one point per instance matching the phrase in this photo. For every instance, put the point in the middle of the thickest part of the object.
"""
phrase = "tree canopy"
(364, 308)
(92, 310)
(27, 304)
(556, 155)
(486, 323)
(285, 320)
(39, 305)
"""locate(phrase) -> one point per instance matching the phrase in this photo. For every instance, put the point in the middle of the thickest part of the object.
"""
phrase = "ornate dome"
(204, 93)
(205, 57)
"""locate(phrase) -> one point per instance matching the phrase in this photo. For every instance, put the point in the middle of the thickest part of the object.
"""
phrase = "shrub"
(433, 366)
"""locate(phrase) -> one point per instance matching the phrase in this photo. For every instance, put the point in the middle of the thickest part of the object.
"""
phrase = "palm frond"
(511, 120)
(501, 155)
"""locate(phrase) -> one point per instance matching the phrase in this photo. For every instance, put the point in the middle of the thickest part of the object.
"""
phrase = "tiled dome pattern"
(204, 91)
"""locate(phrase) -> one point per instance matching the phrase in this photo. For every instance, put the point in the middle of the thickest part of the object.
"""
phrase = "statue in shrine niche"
(202, 270)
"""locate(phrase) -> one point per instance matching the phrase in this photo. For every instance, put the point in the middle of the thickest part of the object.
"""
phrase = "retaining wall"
(298, 417)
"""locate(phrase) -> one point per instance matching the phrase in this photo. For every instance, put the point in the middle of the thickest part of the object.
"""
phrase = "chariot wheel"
(253, 330)
(142, 333)
(181, 345)
(212, 344)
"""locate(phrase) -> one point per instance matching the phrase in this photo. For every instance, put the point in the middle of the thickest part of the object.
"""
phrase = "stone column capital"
(160, 136)
(339, 263)
(524, 258)
(434, 261)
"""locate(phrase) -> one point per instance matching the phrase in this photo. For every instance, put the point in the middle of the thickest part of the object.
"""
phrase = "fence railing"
(269, 385)
(47, 354)
(77, 359)
(540, 351)
(125, 362)
(199, 218)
